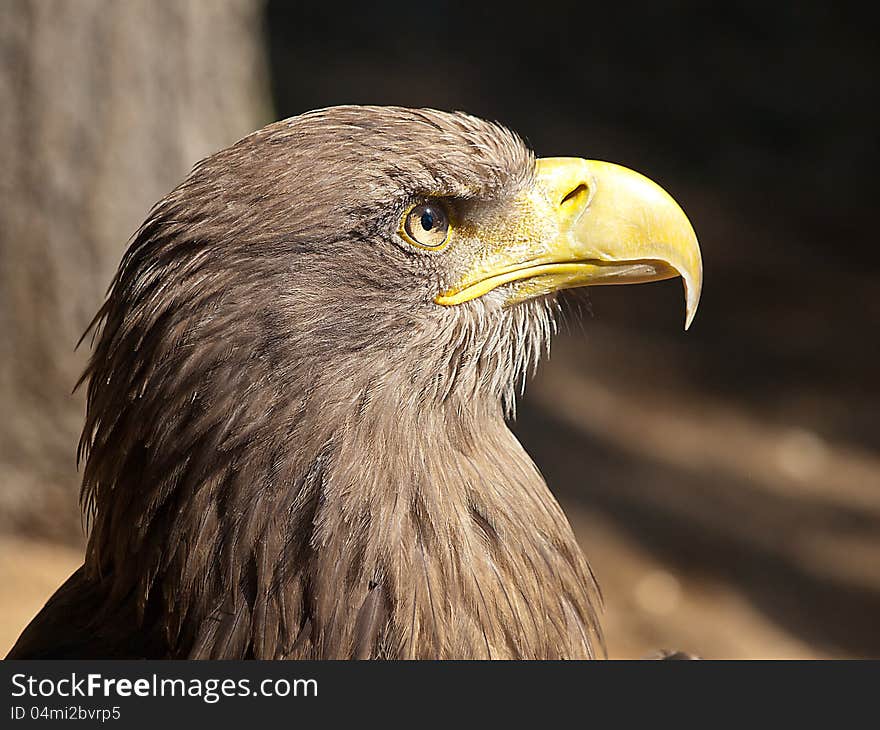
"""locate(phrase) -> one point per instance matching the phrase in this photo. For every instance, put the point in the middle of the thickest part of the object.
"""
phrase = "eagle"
(296, 440)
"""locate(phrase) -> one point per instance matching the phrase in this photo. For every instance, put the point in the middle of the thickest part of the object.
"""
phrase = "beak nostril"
(575, 196)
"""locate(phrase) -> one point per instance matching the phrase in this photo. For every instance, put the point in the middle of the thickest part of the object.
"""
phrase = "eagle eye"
(426, 225)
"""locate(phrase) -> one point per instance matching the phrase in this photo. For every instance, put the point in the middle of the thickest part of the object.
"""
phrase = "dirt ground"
(30, 571)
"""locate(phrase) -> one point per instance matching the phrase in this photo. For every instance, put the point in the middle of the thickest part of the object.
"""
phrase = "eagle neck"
(435, 535)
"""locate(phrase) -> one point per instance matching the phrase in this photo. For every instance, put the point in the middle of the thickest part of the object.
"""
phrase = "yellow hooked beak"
(587, 223)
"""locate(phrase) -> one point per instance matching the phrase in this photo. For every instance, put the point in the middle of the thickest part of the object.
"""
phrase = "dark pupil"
(427, 219)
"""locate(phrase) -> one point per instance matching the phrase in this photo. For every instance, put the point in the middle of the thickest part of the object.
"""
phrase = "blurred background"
(725, 483)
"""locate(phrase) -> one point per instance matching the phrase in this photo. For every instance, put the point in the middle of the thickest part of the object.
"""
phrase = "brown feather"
(370, 623)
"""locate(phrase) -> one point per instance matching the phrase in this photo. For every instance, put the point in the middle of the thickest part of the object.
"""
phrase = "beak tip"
(692, 299)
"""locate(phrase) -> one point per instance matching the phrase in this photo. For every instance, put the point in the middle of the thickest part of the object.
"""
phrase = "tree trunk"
(104, 107)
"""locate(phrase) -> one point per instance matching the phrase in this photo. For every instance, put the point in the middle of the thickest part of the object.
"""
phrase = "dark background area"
(725, 482)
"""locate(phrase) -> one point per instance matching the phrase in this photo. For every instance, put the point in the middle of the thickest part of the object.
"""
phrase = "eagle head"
(295, 441)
